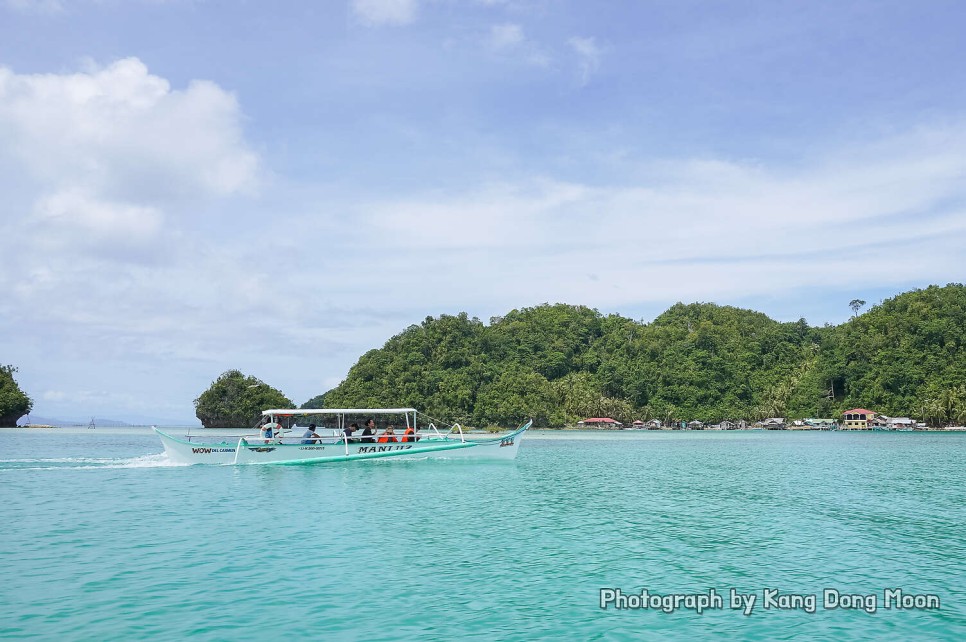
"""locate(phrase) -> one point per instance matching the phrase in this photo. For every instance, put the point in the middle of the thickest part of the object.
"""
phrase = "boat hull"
(252, 450)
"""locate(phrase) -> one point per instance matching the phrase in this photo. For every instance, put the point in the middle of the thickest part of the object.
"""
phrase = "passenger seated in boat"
(348, 432)
(310, 436)
(388, 436)
(269, 430)
(410, 434)
(369, 432)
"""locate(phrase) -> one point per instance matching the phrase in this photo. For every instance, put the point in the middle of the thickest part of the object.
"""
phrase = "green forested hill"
(560, 363)
(906, 356)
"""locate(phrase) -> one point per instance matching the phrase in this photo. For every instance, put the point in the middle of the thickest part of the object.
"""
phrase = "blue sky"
(194, 186)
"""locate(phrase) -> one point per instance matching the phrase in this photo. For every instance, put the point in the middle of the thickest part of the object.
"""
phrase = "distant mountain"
(47, 421)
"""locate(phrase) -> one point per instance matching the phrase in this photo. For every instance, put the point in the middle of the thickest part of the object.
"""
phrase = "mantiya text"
(769, 599)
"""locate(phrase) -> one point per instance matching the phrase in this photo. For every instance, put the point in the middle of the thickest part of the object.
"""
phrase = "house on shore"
(772, 423)
(822, 424)
(880, 422)
(727, 424)
(857, 419)
(653, 424)
(900, 423)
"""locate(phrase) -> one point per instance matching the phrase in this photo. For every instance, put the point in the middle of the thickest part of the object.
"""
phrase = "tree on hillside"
(518, 393)
(236, 401)
(711, 362)
(856, 305)
(14, 403)
(945, 407)
(318, 401)
(899, 354)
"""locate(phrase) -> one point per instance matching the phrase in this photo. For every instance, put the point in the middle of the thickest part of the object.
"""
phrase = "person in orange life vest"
(388, 436)
(410, 434)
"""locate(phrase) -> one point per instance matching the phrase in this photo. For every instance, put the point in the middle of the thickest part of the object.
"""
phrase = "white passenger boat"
(335, 444)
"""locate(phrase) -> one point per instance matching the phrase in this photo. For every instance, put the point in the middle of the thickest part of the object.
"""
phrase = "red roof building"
(600, 422)
(857, 419)
(859, 411)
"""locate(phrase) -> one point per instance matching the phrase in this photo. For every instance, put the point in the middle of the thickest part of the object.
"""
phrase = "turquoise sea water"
(103, 540)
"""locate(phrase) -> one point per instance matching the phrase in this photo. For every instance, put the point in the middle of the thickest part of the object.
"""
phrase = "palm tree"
(948, 407)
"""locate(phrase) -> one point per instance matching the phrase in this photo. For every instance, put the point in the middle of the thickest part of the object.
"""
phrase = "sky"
(193, 186)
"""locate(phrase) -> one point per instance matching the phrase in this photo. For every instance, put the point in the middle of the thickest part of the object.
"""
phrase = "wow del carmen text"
(768, 599)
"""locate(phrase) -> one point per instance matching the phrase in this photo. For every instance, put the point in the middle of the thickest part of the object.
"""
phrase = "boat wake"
(157, 460)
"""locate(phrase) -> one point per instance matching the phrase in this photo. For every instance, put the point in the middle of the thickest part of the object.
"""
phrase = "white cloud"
(508, 40)
(112, 126)
(73, 217)
(388, 12)
(113, 153)
(505, 36)
(588, 54)
(694, 230)
(115, 186)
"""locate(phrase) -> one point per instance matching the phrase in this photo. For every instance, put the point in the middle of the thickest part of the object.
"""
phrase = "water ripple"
(108, 541)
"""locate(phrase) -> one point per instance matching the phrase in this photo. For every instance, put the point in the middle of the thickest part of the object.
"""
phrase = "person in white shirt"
(310, 436)
(270, 430)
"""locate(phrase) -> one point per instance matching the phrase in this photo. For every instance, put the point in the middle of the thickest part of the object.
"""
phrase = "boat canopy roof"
(286, 412)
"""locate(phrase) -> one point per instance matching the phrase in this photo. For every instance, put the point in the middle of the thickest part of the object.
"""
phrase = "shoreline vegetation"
(702, 364)
(699, 362)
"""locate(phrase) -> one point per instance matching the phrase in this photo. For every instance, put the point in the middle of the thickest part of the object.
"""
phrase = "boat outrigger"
(338, 441)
